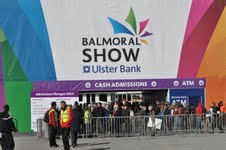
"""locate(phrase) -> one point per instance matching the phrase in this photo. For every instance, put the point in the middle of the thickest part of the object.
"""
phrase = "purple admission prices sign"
(55, 94)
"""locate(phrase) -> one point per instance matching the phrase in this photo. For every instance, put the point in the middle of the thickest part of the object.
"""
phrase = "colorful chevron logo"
(131, 19)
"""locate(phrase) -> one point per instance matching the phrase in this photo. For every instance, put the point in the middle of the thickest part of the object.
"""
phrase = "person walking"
(65, 123)
(75, 124)
(52, 125)
(7, 126)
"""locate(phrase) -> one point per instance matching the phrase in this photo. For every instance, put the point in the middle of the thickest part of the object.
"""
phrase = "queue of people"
(70, 118)
(73, 119)
(174, 116)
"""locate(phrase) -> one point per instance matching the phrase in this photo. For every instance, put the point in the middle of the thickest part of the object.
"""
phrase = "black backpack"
(46, 117)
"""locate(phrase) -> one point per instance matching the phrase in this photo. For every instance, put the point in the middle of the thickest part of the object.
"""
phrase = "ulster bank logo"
(131, 20)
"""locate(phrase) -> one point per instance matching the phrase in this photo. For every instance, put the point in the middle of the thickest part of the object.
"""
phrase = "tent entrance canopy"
(116, 85)
(188, 90)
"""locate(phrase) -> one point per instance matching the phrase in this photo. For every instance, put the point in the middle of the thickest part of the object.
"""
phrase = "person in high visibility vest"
(52, 125)
(65, 123)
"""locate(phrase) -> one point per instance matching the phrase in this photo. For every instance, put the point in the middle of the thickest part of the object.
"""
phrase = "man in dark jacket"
(214, 110)
(100, 111)
(157, 107)
(75, 124)
(6, 128)
(219, 117)
(126, 112)
(192, 109)
(126, 115)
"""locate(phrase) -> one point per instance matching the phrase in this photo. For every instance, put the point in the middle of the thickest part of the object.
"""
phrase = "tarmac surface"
(187, 142)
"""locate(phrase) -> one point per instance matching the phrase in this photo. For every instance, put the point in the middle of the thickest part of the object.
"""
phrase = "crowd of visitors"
(173, 116)
(139, 109)
(116, 118)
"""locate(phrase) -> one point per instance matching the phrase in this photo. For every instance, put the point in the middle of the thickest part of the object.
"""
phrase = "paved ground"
(190, 142)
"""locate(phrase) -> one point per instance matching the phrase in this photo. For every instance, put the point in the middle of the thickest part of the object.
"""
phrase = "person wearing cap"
(52, 125)
(7, 126)
(75, 124)
(65, 123)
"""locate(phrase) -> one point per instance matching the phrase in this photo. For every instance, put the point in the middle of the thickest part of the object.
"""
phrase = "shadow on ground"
(100, 148)
(92, 144)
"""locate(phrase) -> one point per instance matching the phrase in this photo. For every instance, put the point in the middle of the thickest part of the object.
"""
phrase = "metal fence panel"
(146, 125)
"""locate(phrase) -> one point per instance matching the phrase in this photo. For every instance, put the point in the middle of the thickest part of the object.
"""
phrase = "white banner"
(39, 105)
(120, 39)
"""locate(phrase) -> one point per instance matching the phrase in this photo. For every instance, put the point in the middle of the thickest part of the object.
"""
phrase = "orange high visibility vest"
(52, 110)
(52, 119)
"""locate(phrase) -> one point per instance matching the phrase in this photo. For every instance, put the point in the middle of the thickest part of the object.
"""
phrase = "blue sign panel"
(188, 96)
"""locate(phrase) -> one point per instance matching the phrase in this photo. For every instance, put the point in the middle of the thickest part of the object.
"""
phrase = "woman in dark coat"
(75, 124)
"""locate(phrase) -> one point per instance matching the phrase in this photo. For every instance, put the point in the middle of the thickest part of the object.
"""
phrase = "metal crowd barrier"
(42, 130)
(146, 125)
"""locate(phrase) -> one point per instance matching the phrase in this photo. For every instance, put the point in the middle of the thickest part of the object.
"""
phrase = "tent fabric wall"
(195, 46)
(14, 89)
(28, 38)
(213, 65)
(2, 89)
(18, 97)
(27, 52)
(215, 91)
(10, 64)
